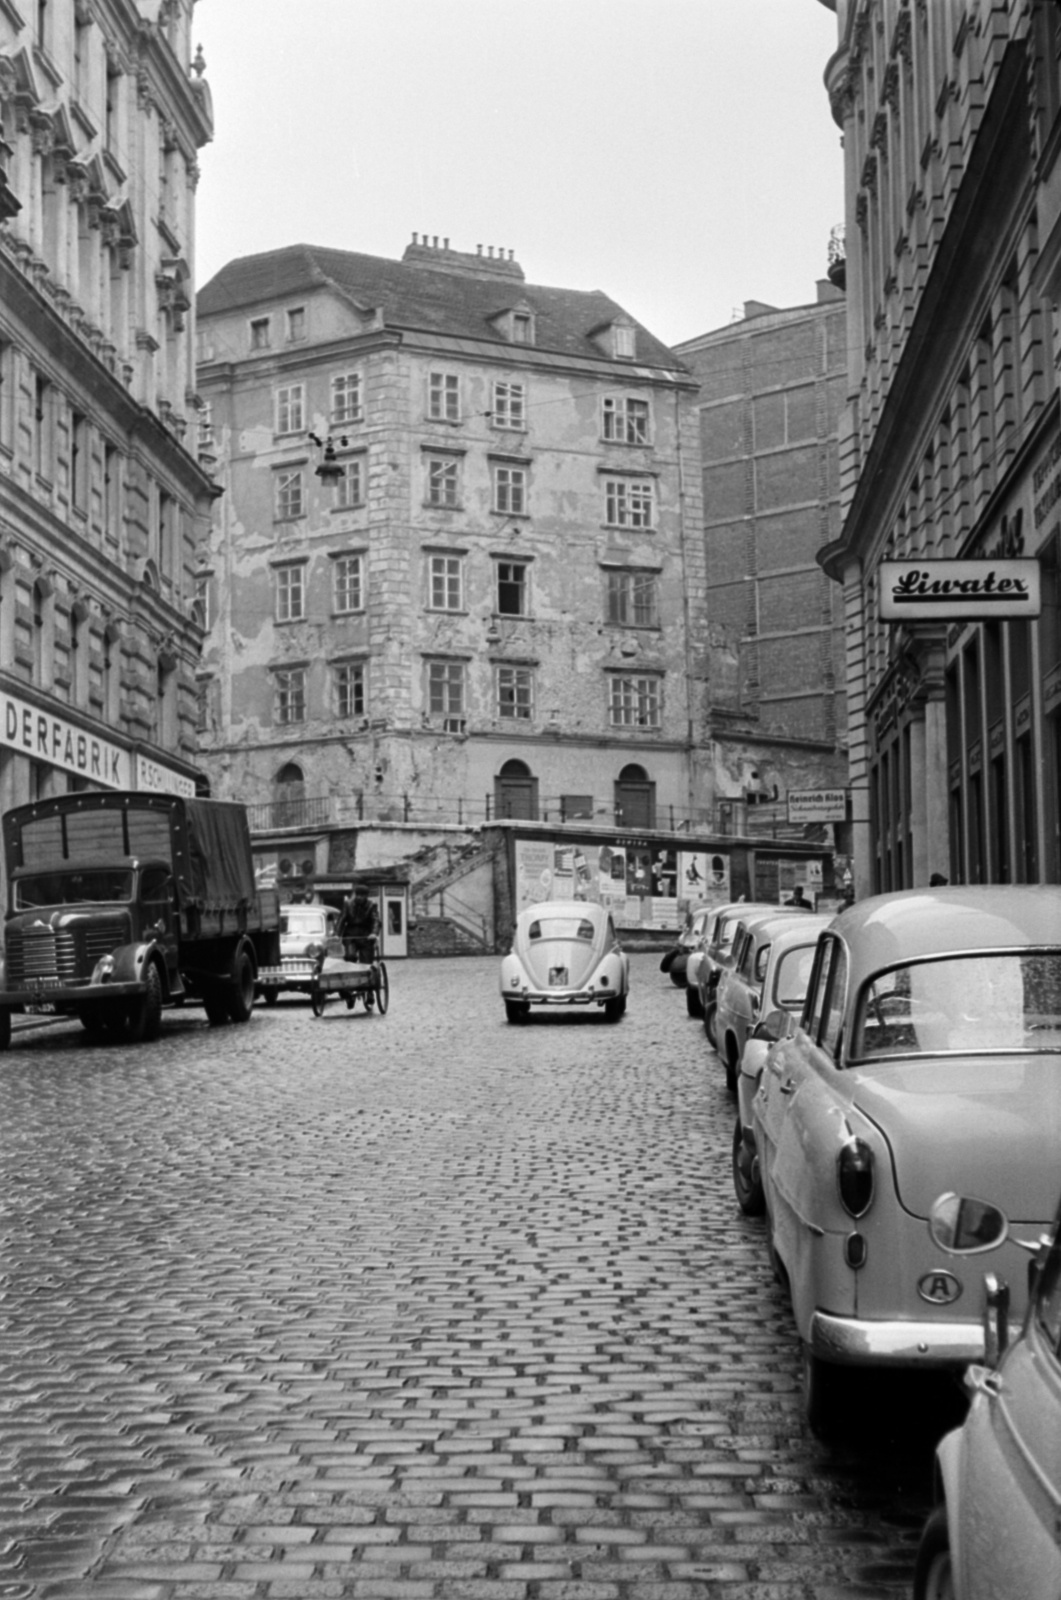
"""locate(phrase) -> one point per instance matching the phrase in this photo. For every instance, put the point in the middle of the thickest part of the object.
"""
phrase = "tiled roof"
(414, 296)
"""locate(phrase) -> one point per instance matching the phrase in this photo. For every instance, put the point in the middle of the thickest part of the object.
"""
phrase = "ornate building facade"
(484, 610)
(103, 500)
(949, 443)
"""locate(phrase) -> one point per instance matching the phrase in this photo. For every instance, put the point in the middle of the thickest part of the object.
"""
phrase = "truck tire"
(144, 1017)
(240, 997)
(5, 1029)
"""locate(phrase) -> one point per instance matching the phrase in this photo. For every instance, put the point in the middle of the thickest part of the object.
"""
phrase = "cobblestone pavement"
(410, 1307)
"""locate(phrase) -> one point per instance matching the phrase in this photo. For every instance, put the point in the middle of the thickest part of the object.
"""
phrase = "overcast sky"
(678, 154)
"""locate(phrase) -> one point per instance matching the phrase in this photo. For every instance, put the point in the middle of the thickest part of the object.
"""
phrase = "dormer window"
(516, 325)
(624, 341)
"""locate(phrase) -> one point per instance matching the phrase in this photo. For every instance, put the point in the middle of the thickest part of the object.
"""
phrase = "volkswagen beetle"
(565, 953)
(927, 1057)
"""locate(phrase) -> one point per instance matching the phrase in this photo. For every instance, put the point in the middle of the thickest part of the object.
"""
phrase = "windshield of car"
(793, 976)
(302, 922)
(561, 928)
(73, 888)
(965, 1004)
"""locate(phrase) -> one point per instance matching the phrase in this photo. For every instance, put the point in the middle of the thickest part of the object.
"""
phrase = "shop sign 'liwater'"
(936, 591)
(43, 736)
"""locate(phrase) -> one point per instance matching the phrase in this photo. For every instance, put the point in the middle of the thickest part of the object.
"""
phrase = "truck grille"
(65, 955)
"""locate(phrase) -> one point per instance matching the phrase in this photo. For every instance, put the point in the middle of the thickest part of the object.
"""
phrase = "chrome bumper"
(550, 997)
(854, 1342)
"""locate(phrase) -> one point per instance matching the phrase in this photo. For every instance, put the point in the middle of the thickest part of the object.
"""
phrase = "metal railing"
(723, 818)
(444, 903)
(306, 812)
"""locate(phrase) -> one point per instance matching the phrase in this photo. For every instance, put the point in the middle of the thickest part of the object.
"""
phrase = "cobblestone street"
(412, 1307)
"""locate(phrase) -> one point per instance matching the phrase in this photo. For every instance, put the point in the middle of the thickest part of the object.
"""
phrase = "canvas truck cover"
(207, 842)
(221, 872)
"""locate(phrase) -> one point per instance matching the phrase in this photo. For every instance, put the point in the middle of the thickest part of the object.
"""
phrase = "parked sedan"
(304, 932)
(789, 963)
(926, 1058)
(993, 1534)
(718, 954)
(739, 991)
(565, 953)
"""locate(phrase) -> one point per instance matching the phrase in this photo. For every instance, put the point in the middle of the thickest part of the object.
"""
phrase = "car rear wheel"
(934, 1571)
(677, 972)
(613, 1009)
(516, 1012)
(732, 1063)
(709, 1026)
(692, 1001)
(747, 1184)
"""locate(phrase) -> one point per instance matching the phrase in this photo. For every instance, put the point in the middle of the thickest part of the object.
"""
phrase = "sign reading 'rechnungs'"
(931, 591)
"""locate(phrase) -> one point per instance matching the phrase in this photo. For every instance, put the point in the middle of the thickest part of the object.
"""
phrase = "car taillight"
(854, 1172)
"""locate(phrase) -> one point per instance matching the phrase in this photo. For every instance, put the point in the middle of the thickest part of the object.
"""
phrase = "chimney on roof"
(426, 251)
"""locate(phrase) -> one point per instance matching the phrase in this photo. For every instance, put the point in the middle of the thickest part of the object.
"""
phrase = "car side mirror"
(772, 1027)
(965, 1227)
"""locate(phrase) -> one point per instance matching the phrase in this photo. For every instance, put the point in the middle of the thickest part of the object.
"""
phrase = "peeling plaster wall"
(398, 749)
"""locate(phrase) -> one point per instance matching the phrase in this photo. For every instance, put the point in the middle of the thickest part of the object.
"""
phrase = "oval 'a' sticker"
(939, 1288)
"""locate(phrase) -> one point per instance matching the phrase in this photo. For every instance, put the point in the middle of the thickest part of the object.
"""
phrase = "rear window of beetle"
(562, 928)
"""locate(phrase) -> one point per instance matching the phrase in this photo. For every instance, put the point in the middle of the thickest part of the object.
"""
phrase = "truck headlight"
(103, 971)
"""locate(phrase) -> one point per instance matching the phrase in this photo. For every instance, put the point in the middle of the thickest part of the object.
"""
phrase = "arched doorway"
(635, 798)
(516, 792)
(289, 794)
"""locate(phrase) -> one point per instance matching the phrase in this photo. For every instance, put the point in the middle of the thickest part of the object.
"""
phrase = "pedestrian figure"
(936, 881)
(358, 926)
(799, 899)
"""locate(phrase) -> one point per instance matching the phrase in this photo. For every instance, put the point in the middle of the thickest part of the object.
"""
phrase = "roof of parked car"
(890, 928)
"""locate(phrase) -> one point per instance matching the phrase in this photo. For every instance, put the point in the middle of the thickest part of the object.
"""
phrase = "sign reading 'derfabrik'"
(931, 591)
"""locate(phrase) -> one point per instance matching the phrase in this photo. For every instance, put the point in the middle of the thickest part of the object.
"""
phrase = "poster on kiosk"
(641, 884)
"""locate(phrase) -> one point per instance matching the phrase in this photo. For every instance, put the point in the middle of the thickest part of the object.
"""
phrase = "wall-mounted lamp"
(493, 632)
(330, 470)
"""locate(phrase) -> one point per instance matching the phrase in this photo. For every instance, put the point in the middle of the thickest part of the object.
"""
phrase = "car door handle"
(981, 1380)
(788, 1087)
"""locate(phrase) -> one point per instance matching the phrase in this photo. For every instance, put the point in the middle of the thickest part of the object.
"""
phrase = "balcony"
(309, 811)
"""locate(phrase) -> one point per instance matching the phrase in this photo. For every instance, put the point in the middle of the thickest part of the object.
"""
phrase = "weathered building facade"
(949, 444)
(485, 610)
(102, 498)
(772, 384)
